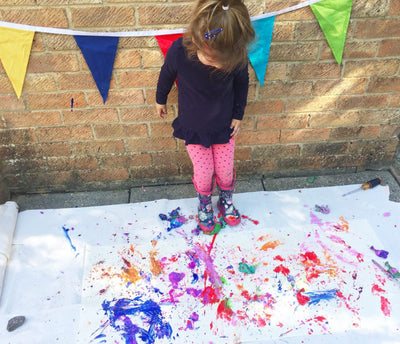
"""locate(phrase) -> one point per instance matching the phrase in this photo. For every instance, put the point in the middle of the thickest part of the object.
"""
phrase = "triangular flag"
(15, 49)
(259, 49)
(165, 41)
(333, 16)
(99, 53)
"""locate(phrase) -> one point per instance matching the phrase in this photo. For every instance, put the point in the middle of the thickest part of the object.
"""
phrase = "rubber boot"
(225, 205)
(205, 211)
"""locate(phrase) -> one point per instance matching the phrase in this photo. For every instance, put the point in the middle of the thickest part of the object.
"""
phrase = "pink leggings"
(218, 160)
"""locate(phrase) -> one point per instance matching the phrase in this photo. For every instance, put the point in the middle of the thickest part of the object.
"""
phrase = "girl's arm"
(240, 89)
(168, 74)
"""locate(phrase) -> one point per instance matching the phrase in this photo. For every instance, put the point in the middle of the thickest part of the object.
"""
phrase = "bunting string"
(146, 33)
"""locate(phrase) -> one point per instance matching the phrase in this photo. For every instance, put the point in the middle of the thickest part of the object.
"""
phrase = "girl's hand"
(161, 110)
(235, 125)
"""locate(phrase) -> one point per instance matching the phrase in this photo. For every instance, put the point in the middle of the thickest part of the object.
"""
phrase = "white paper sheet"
(55, 275)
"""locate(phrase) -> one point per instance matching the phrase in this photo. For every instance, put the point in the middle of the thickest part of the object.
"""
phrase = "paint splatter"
(246, 268)
(248, 218)
(66, 230)
(385, 306)
(380, 253)
(136, 320)
(282, 269)
(174, 218)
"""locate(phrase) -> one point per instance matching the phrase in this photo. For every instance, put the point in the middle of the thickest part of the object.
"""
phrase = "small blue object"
(213, 33)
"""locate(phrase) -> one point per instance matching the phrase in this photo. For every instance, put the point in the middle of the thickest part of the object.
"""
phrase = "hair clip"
(225, 8)
(213, 33)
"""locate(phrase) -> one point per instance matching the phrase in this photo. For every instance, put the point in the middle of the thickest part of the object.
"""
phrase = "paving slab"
(70, 200)
(186, 190)
(315, 181)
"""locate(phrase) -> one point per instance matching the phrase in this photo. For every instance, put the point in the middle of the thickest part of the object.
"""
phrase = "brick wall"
(310, 114)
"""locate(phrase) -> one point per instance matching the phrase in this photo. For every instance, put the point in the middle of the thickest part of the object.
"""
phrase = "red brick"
(362, 102)
(313, 71)
(127, 59)
(161, 171)
(354, 69)
(32, 119)
(279, 89)
(368, 29)
(16, 136)
(368, 9)
(103, 16)
(394, 9)
(97, 147)
(313, 104)
(45, 63)
(161, 14)
(368, 117)
(257, 138)
(11, 103)
(140, 114)
(264, 107)
(117, 98)
(336, 119)
(302, 163)
(324, 149)
(152, 58)
(304, 135)
(281, 121)
(39, 83)
(294, 51)
(340, 86)
(113, 131)
(50, 17)
(384, 85)
(104, 175)
(166, 158)
(161, 129)
(76, 81)
(395, 100)
(128, 79)
(76, 163)
(352, 133)
(54, 101)
(54, 134)
(129, 160)
(150, 144)
(89, 116)
(272, 151)
(389, 47)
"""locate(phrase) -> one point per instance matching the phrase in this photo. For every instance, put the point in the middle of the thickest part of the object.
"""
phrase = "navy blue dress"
(208, 99)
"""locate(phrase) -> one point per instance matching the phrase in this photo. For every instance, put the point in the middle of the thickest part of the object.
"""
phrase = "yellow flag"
(15, 48)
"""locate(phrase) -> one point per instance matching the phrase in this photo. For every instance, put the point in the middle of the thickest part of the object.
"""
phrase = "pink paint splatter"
(385, 306)
(386, 214)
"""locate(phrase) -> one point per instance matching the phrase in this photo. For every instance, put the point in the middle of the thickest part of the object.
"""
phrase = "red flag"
(165, 41)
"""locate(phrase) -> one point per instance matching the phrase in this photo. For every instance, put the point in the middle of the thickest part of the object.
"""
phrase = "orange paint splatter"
(270, 245)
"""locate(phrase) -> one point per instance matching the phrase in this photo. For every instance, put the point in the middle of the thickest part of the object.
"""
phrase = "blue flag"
(99, 53)
(259, 49)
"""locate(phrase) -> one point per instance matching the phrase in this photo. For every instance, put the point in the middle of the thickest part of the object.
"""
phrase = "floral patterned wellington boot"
(229, 212)
(206, 214)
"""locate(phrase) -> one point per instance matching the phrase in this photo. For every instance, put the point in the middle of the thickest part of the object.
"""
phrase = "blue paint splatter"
(174, 218)
(317, 296)
(68, 237)
(121, 316)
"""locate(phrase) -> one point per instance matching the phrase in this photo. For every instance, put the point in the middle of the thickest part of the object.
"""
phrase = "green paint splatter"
(247, 269)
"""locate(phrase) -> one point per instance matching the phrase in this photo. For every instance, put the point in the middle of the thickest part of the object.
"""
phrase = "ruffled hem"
(205, 139)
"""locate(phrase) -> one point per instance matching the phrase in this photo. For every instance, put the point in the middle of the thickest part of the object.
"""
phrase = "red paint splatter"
(375, 290)
(310, 257)
(385, 306)
(224, 311)
(280, 268)
(248, 218)
(209, 296)
(303, 299)
(279, 258)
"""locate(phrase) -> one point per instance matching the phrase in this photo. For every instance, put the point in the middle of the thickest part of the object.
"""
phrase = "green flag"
(333, 16)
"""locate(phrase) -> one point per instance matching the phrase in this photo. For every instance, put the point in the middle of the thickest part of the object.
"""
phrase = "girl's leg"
(225, 178)
(203, 172)
(203, 167)
(223, 163)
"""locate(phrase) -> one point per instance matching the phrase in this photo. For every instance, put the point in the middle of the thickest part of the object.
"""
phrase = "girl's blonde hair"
(229, 46)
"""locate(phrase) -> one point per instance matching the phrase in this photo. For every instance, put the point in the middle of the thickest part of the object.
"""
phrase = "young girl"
(211, 67)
